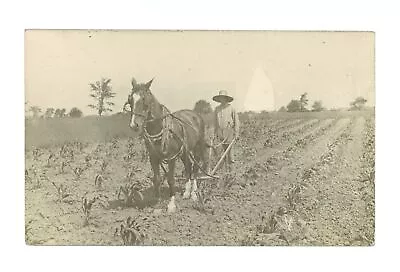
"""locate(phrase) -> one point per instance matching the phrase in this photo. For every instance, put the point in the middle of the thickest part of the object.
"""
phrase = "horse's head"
(141, 103)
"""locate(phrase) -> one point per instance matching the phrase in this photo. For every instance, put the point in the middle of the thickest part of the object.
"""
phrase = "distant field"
(54, 132)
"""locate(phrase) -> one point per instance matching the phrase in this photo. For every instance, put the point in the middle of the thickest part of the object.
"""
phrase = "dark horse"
(168, 136)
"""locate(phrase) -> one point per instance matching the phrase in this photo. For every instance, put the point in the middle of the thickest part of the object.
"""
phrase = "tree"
(283, 109)
(35, 111)
(303, 102)
(358, 103)
(317, 106)
(203, 107)
(75, 113)
(60, 113)
(63, 113)
(294, 106)
(57, 113)
(101, 91)
(49, 113)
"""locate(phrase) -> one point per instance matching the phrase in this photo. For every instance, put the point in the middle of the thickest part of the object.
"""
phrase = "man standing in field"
(226, 126)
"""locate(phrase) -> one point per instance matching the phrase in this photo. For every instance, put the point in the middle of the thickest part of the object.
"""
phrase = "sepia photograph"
(199, 138)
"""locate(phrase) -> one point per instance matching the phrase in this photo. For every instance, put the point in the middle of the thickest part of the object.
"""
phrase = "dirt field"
(303, 180)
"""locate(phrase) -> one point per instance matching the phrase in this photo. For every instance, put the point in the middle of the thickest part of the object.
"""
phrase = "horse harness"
(164, 134)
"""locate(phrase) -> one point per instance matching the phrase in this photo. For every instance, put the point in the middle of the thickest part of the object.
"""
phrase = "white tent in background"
(260, 94)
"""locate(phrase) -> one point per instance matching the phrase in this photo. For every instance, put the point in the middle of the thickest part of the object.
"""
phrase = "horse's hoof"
(171, 205)
(188, 188)
(193, 196)
(186, 195)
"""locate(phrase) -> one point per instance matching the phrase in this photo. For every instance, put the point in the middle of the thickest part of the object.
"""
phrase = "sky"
(187, 66)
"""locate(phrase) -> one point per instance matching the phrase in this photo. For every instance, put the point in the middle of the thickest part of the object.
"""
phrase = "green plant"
(101, 91)
(268, 223)
(50, 159)
(98, 181)
(36, 153)
(293, 195)
(62, 191)
(132, 234)
(78, 171)
(131, 193)
(87, 207)
(103, 166)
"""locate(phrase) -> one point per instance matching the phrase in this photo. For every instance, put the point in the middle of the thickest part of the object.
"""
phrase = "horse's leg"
(199, 156)
(171, 183)
(188, 172)
(205, 156)
(155, 166)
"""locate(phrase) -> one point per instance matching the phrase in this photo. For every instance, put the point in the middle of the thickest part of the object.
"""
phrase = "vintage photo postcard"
(199, 138)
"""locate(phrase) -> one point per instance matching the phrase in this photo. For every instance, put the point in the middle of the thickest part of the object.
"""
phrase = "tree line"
(301, 105)
(49, 113)
(101, 92)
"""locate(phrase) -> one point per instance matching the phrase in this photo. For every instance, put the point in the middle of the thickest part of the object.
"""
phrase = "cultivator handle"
(222, 158)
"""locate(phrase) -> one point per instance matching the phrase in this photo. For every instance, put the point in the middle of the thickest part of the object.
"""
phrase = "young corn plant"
(61, 191)
(50, 159)
(268, 224)
(88, 159)
(203, 197)
(39, 177)
(132, 170)
(36, 153)
(132, 233)
(64, 165)
(78, 171)
(99, 181)
(114, 143)
(103, 166)
(131, 194)
(293, 195)
(86, 208)
(27, 177)
(66, 152)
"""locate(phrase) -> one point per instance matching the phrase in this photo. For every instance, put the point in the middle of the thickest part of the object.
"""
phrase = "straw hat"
(223, 97)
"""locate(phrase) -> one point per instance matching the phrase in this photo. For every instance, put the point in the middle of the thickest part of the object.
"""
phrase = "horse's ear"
(148, 84)
(133, 82)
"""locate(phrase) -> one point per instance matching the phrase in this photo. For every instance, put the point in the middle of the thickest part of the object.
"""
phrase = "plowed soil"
(301, 181)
